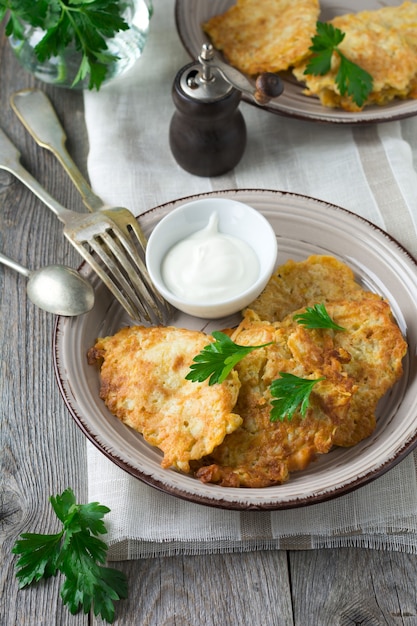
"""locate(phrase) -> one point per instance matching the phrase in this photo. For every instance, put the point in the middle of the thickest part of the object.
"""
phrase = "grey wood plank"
(353, 586)
(42, 451)
(228, 590)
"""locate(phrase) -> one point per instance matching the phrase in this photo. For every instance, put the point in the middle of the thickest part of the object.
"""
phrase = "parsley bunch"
(84, 24)
(78, 553)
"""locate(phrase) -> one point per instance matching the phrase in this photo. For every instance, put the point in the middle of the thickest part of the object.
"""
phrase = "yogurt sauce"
(209, 265)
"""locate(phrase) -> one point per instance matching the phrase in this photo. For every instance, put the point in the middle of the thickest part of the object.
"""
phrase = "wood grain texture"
(350, 587)
(42, 452)
(233, 589)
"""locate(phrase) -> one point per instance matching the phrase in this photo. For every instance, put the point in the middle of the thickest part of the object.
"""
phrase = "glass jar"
(61, 70)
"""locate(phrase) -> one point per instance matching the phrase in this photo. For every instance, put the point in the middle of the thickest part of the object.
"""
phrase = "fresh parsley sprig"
(351, 79)
(290, 392)
(78, 553)
(316, 317)
(85, 24)
(217, 359)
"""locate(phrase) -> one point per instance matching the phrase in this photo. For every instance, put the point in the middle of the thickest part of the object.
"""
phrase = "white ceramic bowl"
(236, 219)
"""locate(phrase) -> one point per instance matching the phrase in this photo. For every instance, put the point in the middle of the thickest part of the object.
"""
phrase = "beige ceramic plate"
(303, 226)
(191, 14)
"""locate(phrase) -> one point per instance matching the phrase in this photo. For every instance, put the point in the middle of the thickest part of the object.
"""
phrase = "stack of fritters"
(223, 433)
(275, 35)
(372, 339)
(382, 42)
(262, 453)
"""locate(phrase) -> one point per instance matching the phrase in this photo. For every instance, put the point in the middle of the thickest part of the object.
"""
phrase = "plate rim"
(235, 504)
(325, 115)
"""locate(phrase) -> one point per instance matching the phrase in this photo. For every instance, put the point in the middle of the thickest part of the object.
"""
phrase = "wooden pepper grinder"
(207, 133)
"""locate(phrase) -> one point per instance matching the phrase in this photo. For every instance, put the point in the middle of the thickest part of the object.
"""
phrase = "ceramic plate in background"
(190, 15)
(303, 226)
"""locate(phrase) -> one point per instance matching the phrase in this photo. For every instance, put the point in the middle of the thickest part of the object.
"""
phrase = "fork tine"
(127, 243)
(118, 235)
(113, 236)
(122, 278)
(134, 229)
(86, 253)
(134, 279)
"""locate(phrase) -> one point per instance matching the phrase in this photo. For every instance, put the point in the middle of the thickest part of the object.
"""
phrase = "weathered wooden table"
(43, 452)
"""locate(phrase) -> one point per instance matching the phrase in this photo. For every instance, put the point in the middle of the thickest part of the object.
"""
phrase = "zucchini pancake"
(264, 36)
(223, 433)
(143, 383)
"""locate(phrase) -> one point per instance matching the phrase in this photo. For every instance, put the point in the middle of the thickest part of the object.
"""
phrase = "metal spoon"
(58, 289)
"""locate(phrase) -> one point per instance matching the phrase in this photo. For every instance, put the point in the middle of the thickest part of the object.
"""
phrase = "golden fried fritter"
(262, 453)
(294, 285)
(403, 19)
(359, 365)
(264, 35)
(143, 383)
(376, 347)
(382, 42)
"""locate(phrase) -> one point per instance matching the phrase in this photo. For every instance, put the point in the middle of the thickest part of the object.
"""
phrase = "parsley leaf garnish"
(316, 317)
(85, 24)
(217, 359)
(78, 553)
(289, 392)
(351, 79)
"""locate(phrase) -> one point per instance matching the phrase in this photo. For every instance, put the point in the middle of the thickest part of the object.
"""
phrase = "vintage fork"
(35, 111)
(122, 270)
(113, 235)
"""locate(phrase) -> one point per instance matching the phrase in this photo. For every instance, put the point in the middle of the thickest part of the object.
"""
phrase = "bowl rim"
(266, 265)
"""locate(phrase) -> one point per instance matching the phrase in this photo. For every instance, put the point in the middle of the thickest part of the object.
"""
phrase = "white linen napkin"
(369, 170)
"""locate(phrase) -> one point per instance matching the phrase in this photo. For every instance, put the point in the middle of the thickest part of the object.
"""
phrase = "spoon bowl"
(57, 289)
